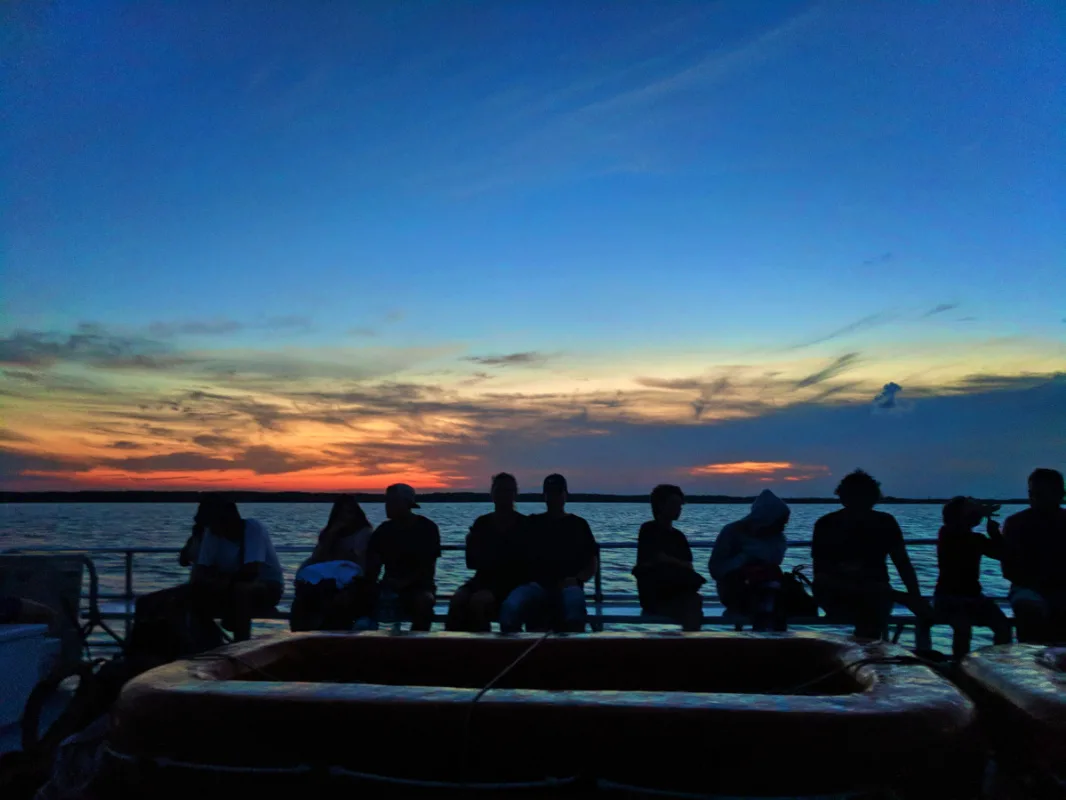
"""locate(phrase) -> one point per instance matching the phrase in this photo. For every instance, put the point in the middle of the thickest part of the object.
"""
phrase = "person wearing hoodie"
(746, 562)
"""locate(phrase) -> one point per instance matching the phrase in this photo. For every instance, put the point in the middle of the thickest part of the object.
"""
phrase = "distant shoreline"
(428, 497)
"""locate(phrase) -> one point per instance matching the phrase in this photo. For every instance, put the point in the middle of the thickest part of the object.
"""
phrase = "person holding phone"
(958, 599)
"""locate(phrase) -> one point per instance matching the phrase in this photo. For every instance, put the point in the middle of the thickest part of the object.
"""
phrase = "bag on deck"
(794, 597)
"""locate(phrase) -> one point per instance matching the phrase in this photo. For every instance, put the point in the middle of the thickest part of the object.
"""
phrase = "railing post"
(597, 598)
(129, 591)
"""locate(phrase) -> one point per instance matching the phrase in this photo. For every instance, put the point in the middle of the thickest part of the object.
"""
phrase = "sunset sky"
(331, 246)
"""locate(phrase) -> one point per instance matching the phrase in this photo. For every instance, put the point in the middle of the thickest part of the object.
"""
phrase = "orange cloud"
(764, 471)
(743, 468)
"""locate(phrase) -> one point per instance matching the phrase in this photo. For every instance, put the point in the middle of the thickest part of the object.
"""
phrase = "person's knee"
(422, 602)
(482, 603)
(574, 601)
(459, 602)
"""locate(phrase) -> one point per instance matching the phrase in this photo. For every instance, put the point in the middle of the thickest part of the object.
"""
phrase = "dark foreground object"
(383, 714)
(1020, 691)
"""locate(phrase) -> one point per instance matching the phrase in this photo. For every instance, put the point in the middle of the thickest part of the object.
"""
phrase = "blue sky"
(618, 192)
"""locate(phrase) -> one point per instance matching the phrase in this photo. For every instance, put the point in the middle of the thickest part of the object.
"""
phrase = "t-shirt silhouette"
(855, 544)
(557, 548)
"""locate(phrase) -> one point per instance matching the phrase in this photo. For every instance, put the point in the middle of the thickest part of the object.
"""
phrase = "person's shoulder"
(832, 518)
(648, 528)
(427, 523)
(254, 526)
(1019, 517)
(482, 521)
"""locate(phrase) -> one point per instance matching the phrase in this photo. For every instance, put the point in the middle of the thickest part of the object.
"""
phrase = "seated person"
(493, 549)
(850, 548)
(21, 611)
(331, 592)
(746, 563)
(561, 554)
(237, 575)
(958, 599)
(190, 552)
(666, 582)
(407, 545)
(1034, 560)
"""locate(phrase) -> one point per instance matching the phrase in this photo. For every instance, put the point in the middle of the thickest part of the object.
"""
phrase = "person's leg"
(872, 608)
(519, 604)
(923, 626)
(459, 611)
(1031, 615)
(251, 599)
(482, 611)
(988, 613)
(574, 611)
(686, 608)
(419, 606)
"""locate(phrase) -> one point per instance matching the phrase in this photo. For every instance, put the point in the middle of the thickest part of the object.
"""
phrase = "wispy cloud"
(940, 309)
(223, 327)
(864, 324)
(509, 360)
(836, 367)
(879, 260)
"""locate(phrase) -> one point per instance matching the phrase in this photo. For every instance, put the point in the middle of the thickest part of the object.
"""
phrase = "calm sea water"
(92, 525)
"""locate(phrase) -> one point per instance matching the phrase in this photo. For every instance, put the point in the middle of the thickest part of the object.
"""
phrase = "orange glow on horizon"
(313, 480)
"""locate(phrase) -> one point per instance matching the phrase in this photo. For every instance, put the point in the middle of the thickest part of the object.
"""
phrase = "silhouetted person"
(667, 585)
(191, 550)
(561, 554)
(407, 545)
(850, 549)
(237, 575)
(746, 562)
(958, 599)
(331, 588)
(494, 551)
(1034, 560)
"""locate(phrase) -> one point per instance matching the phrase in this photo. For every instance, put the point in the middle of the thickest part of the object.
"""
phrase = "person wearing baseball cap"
(561, 554)
(407, 545)
(958, 599)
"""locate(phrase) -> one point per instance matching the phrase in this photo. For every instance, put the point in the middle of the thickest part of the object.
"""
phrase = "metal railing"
(600, 600)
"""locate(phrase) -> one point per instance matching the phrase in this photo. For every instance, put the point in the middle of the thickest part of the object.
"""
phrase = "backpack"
(793, 595)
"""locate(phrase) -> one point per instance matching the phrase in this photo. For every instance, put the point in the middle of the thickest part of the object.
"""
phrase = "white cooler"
(26, 656)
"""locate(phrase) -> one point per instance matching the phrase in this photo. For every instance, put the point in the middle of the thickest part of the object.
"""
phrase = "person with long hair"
(493, 550)
(346, 535)
(331, 591)
(236, 575)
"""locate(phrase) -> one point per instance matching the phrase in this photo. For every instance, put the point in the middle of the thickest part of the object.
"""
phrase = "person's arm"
(724, 557)
(20, 611)
(476, 557)
(898, 553)
(993, 545)
(372, 568)
(191, 550)
(648, 554)
(1010, 554)
(593, 563)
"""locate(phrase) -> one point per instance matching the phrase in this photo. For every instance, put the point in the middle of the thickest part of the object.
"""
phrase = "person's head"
(769, 515)
(504, 490)
(666, 502)
(858, 490)
(220, 516)
(399, 500)
(347, 514)
(555, 492)
(1046, 489)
